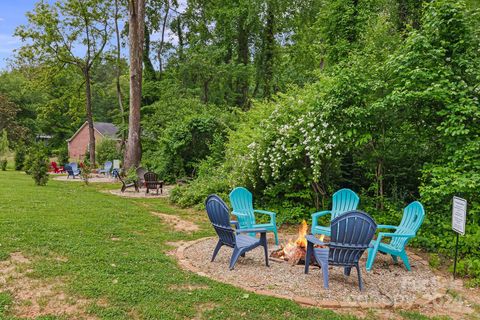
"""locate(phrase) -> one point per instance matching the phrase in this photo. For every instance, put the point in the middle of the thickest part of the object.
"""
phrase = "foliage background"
(293, 100)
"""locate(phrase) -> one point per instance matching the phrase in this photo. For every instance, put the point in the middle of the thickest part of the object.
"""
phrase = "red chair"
(56, 168)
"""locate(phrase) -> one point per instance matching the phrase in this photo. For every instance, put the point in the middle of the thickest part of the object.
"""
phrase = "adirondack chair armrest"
(235, 223)
(393, 235)
(317, 215)
(385, 226)
(236, 213)
(311, 238)
(251, 230)
(271, 214)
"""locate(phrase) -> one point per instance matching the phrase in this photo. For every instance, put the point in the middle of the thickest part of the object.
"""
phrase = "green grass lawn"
(130, 276)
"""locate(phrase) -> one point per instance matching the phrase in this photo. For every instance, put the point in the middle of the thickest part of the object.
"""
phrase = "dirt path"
(34, 298)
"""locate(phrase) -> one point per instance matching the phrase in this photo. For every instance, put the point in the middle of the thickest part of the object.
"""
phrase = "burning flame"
(290, 249)
(301, 241)
(302, 232)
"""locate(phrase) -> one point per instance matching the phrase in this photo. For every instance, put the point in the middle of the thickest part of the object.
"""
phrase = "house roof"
(106, 129)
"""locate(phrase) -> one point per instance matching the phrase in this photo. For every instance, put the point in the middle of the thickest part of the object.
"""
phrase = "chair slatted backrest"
(219, 216)
(74, 166)
(242, 203)
(412, 219)
(351, 236)
(68, 168)
(108, 166)
(150, 179)
(344, 200)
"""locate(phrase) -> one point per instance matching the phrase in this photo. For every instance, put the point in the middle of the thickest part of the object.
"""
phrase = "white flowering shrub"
(291, 146)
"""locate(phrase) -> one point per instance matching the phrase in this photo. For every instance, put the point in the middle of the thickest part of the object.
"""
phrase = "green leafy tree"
(71, 32)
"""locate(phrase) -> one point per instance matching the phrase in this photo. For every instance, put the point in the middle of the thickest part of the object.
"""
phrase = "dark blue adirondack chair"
(343, 200)
(107, 167)
(242, 203)
(412, 219)
(219, 216)
(351, 234)
(72, 170)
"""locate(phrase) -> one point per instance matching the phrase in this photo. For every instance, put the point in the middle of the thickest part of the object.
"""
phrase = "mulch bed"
(386, 286)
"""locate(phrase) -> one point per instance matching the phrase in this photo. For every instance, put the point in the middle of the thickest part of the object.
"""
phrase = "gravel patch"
(131, 193)
(93, 179)
(387, 285)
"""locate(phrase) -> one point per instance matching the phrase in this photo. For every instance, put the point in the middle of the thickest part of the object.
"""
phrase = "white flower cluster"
(294, 141)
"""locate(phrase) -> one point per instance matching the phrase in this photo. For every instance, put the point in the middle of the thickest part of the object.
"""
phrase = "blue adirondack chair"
(344, 200)
(242, 203)
(107, 167)
(351, 234)
(72, 170)
(219, 216)
(412, 219)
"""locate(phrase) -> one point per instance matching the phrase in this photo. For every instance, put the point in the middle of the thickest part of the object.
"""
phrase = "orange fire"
(290, 248)
(294, 250)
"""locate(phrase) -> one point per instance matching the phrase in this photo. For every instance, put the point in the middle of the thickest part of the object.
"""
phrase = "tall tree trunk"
(148, 65)
(136, 10)
(269, 48)
(162, 41)
(118, 74)
(379, 178)
(180, 38)
(88, 105)
(242, 81)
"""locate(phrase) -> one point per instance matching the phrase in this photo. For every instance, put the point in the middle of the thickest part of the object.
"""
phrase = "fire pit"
(294, 251)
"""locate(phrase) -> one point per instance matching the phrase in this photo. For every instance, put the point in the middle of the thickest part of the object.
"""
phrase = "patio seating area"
(387, 286)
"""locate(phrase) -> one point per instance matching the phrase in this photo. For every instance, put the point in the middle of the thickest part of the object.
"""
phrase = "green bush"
(62, 156)
(470, 268)
(107, 150)
(37, 164)
(179, 136)
(85, 173)
(86, 157)
(210, 180)
(4, 148)
(20, 154)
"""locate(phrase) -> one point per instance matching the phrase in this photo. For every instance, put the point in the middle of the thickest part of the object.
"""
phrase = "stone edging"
(330, 304)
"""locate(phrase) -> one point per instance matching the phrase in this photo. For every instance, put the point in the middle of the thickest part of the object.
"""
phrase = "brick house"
(78, 143)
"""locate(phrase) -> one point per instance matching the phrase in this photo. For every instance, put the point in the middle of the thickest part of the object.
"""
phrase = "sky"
(12, 14)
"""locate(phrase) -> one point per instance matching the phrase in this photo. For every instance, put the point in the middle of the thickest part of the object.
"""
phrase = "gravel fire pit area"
(386, 286)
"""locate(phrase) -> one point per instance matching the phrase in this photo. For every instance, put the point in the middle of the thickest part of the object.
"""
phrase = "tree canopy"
(292, 99)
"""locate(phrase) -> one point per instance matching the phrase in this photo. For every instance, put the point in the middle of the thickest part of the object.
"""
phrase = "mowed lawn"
(112, 252)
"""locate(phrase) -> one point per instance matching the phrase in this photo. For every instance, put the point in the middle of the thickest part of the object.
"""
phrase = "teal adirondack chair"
(242, 203)
(344, 200)
(412, 219)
